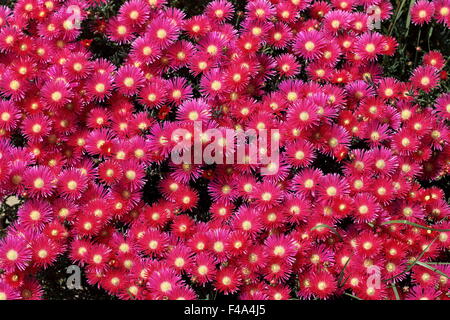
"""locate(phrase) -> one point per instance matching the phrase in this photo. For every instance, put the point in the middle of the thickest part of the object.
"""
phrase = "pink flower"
(422, 11)
(14, 253)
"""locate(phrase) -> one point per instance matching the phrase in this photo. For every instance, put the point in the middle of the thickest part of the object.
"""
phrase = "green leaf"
(328, 227)
(353, 296)
(394, 288)
(416, 260)
(408, 19)
(341, 274)
(397, 15)
(426, 265)
(413, 224)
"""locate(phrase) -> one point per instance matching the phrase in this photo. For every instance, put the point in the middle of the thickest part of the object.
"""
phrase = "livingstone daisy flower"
(425, 78)
(14, 254)
(422, 11)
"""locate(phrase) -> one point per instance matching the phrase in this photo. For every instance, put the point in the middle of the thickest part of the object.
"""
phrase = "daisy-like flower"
(194, 110)
(34, 214)
(9, 37)
(154, 242)
(182, 293)
(287, 65)
(180, 258)
(183, 226)
(267, 195)
(113, 281)
(425, 78)
(99, 142)
(162, 32)
(280, 247)
(366, 207)
(119, 30)
(64, 209)
(178, 90)
(228, 280)
(78, 66)
(300, 154)
(87, 225)
(442, 11)
(13, 86)
(410, 211)
(322, 284)
(31, 290)
(129, 80)
(99, 87)
(309, 44)
(175, 15)
(219, 10)
(422, 11)
(384, 162)
(405, 142)
(203, 269)
(443, 106)
(5, 14)
(154, 93)
(303, 115)
(423, 293)
(9, 115)
(369, 45)
(279, 36)
(133, 174)
(72, 183)
(330, 187)
(180, 53)
(98, 257)
(163, 282)
(98, 118)
(39, 181)
(218, 243)
(145, 50)
(306, 181)
(434, 59)
(277, 271)
(8, 292)
(222, 189)
(14, 253)
(213, 83)
(383, 190)
(376, 133)
(55, 94)
(388, 88)
(44, 251)
(247, 221)
(134, 12)
(336, 20)
(260, 10)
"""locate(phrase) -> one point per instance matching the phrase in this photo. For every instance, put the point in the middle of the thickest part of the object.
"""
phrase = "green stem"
(354, 297)
(426, 265)
(394, 288)
(408, 19)
(417, 45)
(416, 260)
(397, 15)
(328, 227)
(414, 225)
